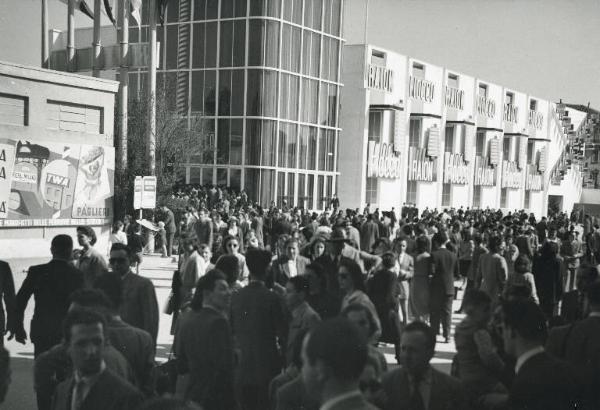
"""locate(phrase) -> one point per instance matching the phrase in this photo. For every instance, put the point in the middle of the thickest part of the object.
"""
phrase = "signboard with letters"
(149, 192)
(55, 181)
(383, 162)
(512, 177)
(420, 166)
(454, 98)
(486, 106)
(379, 78)
(483, 174)
(456, 170)
(421, 89)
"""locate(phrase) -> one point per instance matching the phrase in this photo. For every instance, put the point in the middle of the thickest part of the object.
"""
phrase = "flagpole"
(96, 40)
(123, 19)
(71, 36)
(45, 50)
(152, 89)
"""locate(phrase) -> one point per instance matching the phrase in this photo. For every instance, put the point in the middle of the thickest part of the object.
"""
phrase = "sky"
(546, 48)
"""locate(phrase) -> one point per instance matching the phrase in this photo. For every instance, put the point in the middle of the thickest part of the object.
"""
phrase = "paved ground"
(160, 270)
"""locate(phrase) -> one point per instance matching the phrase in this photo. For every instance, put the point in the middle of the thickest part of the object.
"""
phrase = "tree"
(178, 137)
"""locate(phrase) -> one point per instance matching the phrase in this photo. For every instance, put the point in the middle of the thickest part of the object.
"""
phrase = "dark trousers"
(255, 397)
(170, 240)
(441, 311)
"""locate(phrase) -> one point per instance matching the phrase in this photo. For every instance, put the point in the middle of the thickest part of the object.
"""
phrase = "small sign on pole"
(137, 193)
(149, 192)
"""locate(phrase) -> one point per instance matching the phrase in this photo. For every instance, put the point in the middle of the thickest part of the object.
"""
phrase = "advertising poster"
(58, 181)
(7, 159)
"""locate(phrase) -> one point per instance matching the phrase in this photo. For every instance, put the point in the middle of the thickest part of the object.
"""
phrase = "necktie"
(78, 395)
(416, 400)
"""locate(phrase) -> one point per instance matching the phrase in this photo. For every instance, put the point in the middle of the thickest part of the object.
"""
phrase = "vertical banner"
(149, 192)
(7, 161)
(94, 188)
(137, 193)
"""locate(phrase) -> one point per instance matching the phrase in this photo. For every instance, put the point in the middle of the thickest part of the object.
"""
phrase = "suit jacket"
(204, 349)
(544, 383)
(54, 366)
(579, 344)
(51, 285)
(257, 321)
(204, 232)
(140, 307)
(170, 221)
(443, 266)
(7, 291)
(110, 392)
(293, 396)
(304, 317)
(281, 271)
(137, 346)
(369, 232)
(446, 393)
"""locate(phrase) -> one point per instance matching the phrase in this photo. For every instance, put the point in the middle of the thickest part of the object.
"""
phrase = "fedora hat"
(338, 235)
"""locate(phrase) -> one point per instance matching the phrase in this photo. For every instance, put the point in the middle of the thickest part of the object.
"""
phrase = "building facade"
(420, 134)
(264, 79)
(56, 158)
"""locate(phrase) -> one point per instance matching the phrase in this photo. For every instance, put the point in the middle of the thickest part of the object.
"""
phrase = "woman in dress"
(419, 285)
(231, 246)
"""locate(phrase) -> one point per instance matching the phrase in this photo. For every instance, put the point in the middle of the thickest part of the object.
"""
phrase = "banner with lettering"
(420, 166)
(7, 160)
(49, 180)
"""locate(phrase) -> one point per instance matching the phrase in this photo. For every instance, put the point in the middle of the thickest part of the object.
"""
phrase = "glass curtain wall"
(263, 77)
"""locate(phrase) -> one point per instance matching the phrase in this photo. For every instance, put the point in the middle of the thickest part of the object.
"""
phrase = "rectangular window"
(411, 192)
(452, 80)
(235, 178)
(281, 193)
(320, 189)
(446, 194)
(270, 8)
(414, 131)
(233, 43)
(371, 190)
(503, 197)
(510, 98)
(530, 145)
(312, 148)
(66, 116)
(223, 142)
(449, 138)
(462, 136)
(480, 144)
(303, 146)
(302, 190)
(527, 200)
(292, 11)
(483, 90)
(290, 188)
(207, 176)
(375, 125)
(378, 58)
(222, 176)
(310, 192)
(533, 105)
(290, 48)
(477, 196)
(506, 149)
(267, 186)
(418, 70)
(252, 182)
(13, 109)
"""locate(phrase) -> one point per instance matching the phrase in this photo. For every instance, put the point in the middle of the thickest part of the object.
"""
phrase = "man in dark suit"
(259, 326)
(204, 229)
(204, 346)
(417, 385)
(291, 264)
(579, 344)
(443, 266)
(170, 227)
(541, 381)
(51, 285)
(93, 386)
(334, 355)
(135, 344)
(7, 291)
(369, 232)
(139, 305)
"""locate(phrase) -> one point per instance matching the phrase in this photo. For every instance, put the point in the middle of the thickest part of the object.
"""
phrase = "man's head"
(86, 236)
(333, 353)
(83, 332)
(337, 241)
(297, 289)
(214, 290)
(477, 305)
(258, 261)
(523, 326)
(291, 248)
(62, 247)
(417, 347)
(440, 238)
(121, 258)
(94, 299)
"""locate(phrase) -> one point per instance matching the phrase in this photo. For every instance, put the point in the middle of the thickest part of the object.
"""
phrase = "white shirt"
(526, 356)
(292, 270)
(335, 400)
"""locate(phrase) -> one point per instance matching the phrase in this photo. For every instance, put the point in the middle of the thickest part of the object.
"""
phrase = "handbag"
(165, 376)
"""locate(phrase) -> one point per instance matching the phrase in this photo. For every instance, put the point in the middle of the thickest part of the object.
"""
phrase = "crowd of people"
(282, 308)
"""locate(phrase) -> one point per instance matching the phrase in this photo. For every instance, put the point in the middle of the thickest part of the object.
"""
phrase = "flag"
(83, 7)
(162, 7)
(135, 8)
(108, 7)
